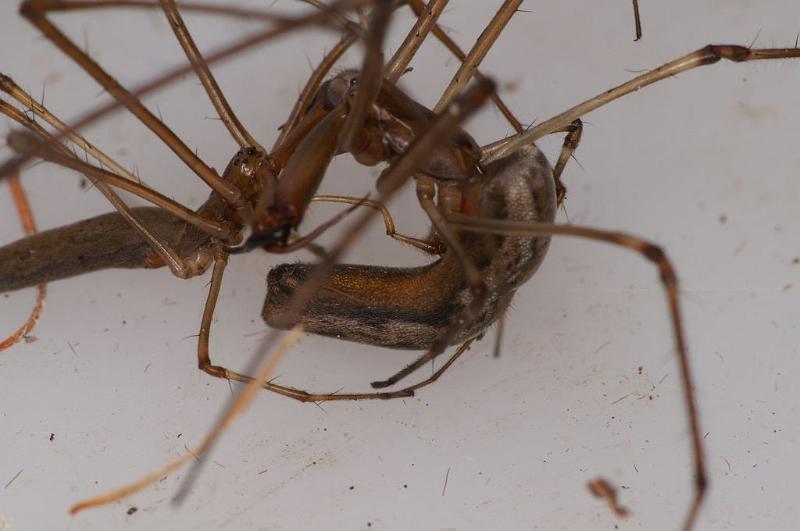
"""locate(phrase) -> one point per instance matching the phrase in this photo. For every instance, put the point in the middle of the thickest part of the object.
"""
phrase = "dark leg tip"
(381, 384)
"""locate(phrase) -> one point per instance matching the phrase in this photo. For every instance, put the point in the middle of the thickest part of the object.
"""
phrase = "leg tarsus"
(419, 362)
(571, 141)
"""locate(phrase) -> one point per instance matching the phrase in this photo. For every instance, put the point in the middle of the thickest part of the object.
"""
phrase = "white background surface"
(113, 374)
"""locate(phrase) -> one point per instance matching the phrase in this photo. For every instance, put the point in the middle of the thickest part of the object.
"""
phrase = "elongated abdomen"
(101, 242)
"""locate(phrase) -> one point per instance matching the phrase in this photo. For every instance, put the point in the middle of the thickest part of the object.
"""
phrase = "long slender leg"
(430, 355)
(404, 392)
(669, 280)
(371, 75)
(283, 26)
(704, 56)
(29, 227)
(478, 52)
(47, 149)
(426, 20)
(417, 6)
(388, 221)
(179, 267)
(36, 13)
(312, 86)
(224, 110)
(11, 88)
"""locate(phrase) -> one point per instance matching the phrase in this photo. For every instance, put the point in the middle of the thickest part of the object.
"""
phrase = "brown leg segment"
(371, 74)
(426, 21)
(312, 86)
(388, 221)
(417, 6)
(478, 52)
(29, 227)
(224, 110)
(48, 149)
(574, 132)
(637, 21)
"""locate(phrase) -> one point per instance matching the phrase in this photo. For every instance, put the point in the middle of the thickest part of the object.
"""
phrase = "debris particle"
(602, 489)
(132, 510)
(52, 436)
(446, 477)
(601, 347)
(10, 481)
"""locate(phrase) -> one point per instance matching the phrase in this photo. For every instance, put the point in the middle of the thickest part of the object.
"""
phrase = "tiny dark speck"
(52, 436)
(351, 487)
(132, 510)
